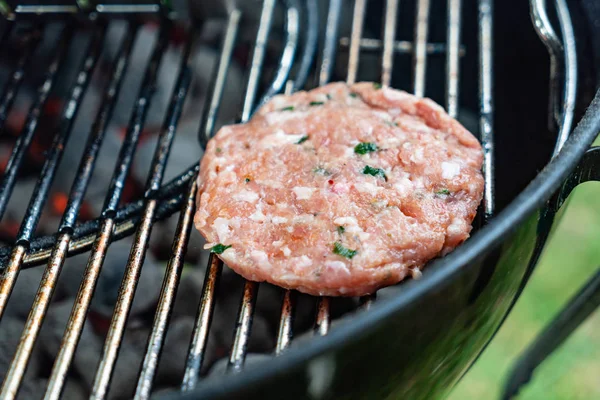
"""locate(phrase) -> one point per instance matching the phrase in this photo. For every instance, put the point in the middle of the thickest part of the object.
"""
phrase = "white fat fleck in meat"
(260, 258)
(270, 183)
(403, 186)
(303, 193)
(337, 266)
(340, 188)
(246, 195)
(392, 94)
(302, 261)
(346, 221)
(450, 169)
(283, 116)
(365, 126)
(221, 226)
(321, 97)
(278, 243)
(286, 251)
(456, 227)
(367, 187)
(303, 219)
(417, 155)
(279, 138)
(416, 273)
(258, 215)
(279, 220)
(383, 115)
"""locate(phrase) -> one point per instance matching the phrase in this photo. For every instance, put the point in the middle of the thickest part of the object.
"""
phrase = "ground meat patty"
(340, 190)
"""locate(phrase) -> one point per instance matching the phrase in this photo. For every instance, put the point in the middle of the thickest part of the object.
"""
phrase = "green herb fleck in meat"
(219, 150)
(341, 230)
(365, 147)
(316, 103)
(219, 248)
(353, 95)
(288, 108)
(302, 139)
(340, 250)
(376, 85)
(368, 170)
(444, 192)
(247, 180)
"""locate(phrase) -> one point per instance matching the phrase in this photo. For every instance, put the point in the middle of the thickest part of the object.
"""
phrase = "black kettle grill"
(521, 75)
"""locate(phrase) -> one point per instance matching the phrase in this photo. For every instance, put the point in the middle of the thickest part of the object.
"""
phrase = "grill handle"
(579, 307)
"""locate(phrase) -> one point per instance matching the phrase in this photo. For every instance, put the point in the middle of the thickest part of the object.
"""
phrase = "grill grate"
(161, 200)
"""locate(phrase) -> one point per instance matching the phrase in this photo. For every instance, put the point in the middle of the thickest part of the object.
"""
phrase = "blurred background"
(572, 372)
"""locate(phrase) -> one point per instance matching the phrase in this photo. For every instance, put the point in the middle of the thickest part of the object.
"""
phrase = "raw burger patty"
(340, 190)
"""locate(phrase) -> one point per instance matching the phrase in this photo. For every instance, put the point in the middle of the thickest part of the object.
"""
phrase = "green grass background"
(573, 371)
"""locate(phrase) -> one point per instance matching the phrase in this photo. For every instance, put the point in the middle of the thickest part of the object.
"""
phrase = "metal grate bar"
(244, 326)
(331, 34)
(31, 122)
(399, 46)
(142, 236)
(563, 64)
(215, 265)
(258, 57)
(420, 54)
(36, 316)
(237, 355)
(202, 326)
(47, 174)
(286, 62)
(357, 27)
(285, 332)
(105, 232)
(98, 131)
(486, 110)
(16, 76)
(570, 75)
(389, 35)
(310, 46)
(209, 116)
(167, 297)
(323, 318)
(82, 178)
(453, 57)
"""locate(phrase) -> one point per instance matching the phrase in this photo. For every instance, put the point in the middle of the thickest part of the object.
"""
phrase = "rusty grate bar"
(104, 234)
(215, 265)
(167, 297)
(237, 355)
(15, 373)
(142, 236)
